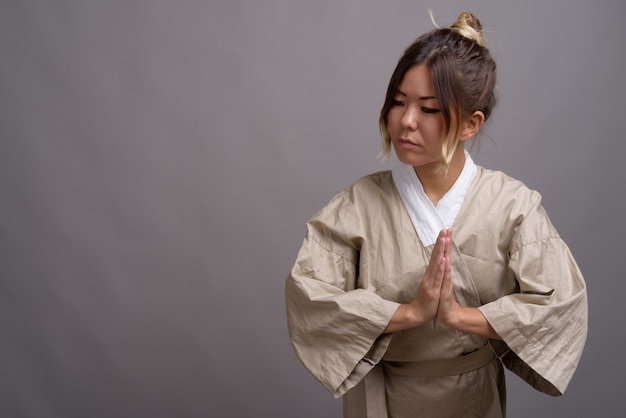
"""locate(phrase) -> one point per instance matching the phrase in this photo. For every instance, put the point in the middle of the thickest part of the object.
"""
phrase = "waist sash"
(441, 367)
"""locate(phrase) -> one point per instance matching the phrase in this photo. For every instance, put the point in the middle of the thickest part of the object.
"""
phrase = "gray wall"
(158, 161)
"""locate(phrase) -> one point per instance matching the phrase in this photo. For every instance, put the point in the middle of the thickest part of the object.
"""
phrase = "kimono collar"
(427, 218)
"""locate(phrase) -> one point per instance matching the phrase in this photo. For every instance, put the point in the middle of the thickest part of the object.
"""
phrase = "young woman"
(391, 309)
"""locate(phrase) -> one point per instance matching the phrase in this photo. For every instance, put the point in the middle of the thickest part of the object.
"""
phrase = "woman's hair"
(463, 73)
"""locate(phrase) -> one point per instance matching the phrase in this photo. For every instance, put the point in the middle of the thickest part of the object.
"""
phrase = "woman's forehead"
(418, 82)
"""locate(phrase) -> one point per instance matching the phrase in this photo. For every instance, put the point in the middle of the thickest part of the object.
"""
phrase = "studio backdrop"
(159, 159)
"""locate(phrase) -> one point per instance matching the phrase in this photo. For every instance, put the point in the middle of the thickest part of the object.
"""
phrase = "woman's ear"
(472, 125)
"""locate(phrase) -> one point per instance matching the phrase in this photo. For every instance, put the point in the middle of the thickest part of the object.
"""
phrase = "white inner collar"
(427, 218)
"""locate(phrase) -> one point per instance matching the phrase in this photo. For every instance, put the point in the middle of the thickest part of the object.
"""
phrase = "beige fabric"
(361, 258)
(441, 367)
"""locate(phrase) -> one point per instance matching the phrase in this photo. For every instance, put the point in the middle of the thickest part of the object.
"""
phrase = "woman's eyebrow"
(403, 94)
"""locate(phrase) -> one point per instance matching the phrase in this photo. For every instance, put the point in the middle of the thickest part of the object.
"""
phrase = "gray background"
(158, 161)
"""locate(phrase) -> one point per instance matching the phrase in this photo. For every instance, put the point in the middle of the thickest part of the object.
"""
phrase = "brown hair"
(463, 72)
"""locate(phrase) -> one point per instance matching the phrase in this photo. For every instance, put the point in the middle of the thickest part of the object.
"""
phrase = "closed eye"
(397, 103)
(430, 110)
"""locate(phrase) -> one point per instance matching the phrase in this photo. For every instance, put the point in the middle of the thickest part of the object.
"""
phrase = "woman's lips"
(405, 143)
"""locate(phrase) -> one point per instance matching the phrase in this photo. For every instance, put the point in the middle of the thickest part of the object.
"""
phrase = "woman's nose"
(409, 119)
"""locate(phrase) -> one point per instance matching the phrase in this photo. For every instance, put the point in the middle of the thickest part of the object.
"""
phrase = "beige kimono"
(362, 257)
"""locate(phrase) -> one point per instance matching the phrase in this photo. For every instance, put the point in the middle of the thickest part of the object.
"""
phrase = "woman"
(391, 310)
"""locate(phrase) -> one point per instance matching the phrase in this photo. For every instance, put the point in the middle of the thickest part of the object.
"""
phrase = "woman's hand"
(428, 299)
(435, 298)
(465, 319)
(449, 310)
(424, 307)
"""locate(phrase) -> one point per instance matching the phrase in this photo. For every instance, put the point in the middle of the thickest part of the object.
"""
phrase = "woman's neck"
(436, 181)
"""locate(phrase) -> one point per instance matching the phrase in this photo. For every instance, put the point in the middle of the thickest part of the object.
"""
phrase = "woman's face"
(415, 122)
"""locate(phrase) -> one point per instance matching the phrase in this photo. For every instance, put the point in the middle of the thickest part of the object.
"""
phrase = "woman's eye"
(397, 103)
(430, 110)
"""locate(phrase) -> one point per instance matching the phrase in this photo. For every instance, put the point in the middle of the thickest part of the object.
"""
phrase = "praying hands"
(435, 298)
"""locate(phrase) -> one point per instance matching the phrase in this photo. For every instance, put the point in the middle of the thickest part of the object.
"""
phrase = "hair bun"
(469, 26)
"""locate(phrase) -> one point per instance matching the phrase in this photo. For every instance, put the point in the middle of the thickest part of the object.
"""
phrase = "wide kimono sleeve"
(544, 326)
(334, 323)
